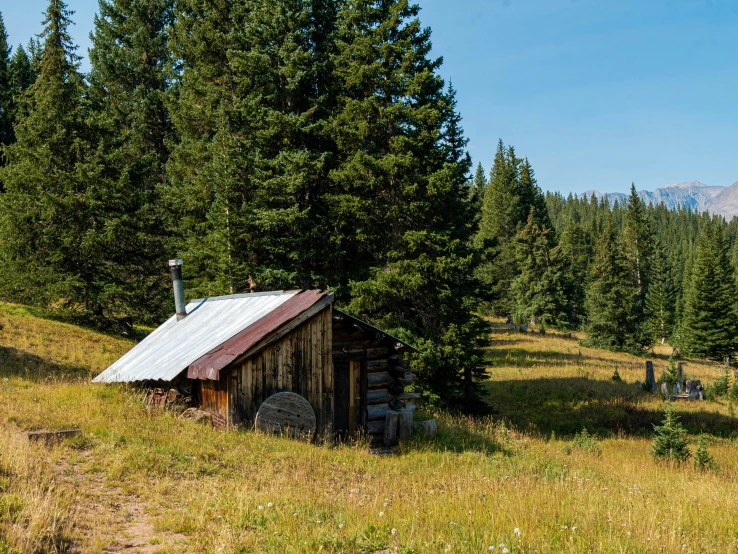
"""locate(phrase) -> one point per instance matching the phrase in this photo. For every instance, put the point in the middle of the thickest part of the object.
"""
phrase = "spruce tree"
(709, 321)
(43, 218)
(639, 248)
(498, 227)
(400, 194)
(576, 248)
(128, 83)
(248, 177)
(480, 179)
(612, 296)
(6, 98)
(22, 75)
(670, 438)
(703, 460)
(531, 198)
(539, 290)
(660, 300)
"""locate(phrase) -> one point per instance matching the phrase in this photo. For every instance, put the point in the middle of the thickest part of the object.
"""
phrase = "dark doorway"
(341, 399)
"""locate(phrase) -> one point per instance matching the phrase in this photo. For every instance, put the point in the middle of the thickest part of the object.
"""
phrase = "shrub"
(670, 375)
(670, 438)
(733, 393)
(703, 460)
(586, 443)
(719, 388)
(616, 376)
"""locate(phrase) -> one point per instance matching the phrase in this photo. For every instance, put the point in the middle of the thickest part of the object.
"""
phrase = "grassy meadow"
(141, 481)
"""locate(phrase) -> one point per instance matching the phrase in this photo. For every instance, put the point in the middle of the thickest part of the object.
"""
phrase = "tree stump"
(405, 426)
(650, 378)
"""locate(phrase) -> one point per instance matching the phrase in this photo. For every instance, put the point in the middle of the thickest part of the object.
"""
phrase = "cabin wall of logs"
(388, 406)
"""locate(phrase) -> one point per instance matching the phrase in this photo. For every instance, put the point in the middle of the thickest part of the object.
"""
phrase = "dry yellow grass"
(471, 489)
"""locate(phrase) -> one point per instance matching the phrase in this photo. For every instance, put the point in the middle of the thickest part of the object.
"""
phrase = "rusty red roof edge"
(208, 367)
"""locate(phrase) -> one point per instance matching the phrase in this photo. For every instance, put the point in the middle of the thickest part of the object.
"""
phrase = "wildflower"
(394, 531)
(340, 525)
(381, 514)
(318, 521)
(516, 531)
(270, 504)
(505, 551)
(574, 528)
(491, 548)
(261, 507)
(294, 515)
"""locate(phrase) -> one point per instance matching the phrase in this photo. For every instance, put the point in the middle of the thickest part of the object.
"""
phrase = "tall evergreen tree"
(531, 198)
(400, 193)
(22, 74)
(660, 301)
(43, 218)
(480, 178)
(576, 248)
(498, 227)
(128, 82)
(248, 176)
(612, 296)
(540, 288)
(6, 98)
(639, 245)
(709, 320)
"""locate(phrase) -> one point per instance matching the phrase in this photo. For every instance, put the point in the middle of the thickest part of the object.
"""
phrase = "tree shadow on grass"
(565, 405)
(520, 357)
(20, 364)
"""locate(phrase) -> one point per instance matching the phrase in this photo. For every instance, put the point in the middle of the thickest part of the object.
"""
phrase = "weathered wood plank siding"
(299, 362)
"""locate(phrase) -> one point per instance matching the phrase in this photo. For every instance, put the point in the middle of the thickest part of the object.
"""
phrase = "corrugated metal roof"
(300, 305)
(173, 346)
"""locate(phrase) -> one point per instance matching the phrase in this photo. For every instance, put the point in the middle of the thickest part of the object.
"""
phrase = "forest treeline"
(313, 144)
(629, 275)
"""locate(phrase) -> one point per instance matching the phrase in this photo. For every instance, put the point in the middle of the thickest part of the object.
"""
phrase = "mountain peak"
(690, 194)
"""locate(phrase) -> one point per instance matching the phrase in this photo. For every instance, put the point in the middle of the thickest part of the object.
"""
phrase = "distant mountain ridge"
(692, 194)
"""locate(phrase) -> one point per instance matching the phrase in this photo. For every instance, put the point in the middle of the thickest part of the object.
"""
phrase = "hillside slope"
(506, 481)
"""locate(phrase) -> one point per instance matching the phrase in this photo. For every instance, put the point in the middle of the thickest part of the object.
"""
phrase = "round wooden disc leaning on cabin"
(286, 413)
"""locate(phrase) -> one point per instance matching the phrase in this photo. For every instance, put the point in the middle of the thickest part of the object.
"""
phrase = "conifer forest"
(286, 144)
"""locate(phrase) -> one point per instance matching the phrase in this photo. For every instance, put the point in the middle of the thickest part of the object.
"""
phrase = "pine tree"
(531, 198)
(660, 300)
(703, 460)
(22, 75)
(128, 84)
(539, 289)
(6, 98)
(248, 178)
(576, 249)
(43, 219)
(498, 228)
(480, 179)
(400, 194)
(670, 438)
(709, 321)
(639, 248)
(612, 295)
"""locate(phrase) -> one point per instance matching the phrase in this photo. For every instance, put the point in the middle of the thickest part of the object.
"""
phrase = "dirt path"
(112, 520)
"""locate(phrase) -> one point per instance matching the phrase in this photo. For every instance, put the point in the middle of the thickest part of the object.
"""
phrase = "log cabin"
(277, 360)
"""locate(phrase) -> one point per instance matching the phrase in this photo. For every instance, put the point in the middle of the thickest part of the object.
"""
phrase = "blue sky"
(596, 93)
